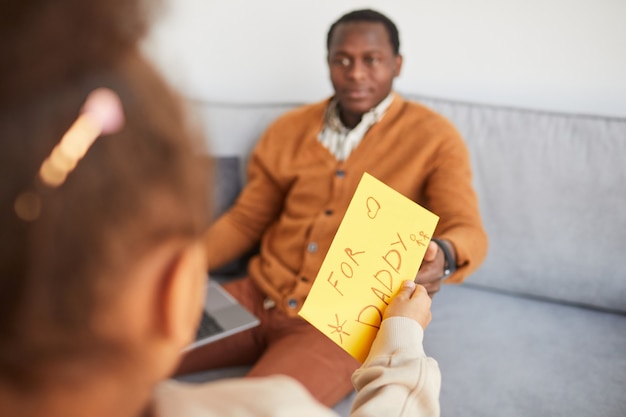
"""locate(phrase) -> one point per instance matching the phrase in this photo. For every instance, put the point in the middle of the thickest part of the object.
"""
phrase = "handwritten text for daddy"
(380, 243)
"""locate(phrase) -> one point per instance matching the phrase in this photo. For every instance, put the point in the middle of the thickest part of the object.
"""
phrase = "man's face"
(362, 67)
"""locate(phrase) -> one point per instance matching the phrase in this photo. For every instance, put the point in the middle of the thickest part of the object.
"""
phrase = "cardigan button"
(328, 212)
(292, 303)
(312, 248)
(341, 173)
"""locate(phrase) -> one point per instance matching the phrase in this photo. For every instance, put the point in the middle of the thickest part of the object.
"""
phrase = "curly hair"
(131, 191)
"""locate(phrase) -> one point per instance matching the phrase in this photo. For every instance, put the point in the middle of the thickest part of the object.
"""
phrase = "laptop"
(222, 316)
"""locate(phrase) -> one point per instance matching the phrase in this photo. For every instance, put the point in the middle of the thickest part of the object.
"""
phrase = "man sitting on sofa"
(301, 177)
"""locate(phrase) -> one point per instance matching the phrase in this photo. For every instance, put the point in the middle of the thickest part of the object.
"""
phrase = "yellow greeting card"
(381, 242)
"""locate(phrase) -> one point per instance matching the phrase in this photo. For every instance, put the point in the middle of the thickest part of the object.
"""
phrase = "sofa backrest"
(552, 192)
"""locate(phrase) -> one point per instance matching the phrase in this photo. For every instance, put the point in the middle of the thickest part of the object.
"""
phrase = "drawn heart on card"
(373, 207)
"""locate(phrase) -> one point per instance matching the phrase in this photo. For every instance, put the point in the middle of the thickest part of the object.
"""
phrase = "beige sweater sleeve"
(397, 378)
(273, 396)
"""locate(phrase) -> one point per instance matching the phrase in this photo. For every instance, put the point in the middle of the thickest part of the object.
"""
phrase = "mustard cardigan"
(297, 193)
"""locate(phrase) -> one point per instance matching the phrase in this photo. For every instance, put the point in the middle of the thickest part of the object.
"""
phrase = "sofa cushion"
(509, 356)
(552, 190)
(227, 183)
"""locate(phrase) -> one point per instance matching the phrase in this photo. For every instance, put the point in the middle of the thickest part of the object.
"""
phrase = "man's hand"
(431, 271)
(412, 301)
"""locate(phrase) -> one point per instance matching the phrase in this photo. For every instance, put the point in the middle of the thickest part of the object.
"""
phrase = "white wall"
(561, 55)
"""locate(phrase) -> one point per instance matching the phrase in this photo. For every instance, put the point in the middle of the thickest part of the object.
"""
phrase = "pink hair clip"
(102, 114)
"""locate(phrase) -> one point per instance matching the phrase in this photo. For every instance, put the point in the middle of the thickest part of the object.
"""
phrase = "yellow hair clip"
(102, 114)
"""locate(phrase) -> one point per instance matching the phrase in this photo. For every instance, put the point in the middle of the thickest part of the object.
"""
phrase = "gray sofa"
(540, 328)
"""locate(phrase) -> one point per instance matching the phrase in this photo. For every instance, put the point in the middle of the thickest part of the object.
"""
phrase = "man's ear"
(398, 65)
(182, 295)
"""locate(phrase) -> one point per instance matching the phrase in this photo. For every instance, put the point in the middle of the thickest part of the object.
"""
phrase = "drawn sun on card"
(338, 328)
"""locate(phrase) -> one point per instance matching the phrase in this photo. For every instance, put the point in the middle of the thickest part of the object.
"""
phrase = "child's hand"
(412, 301)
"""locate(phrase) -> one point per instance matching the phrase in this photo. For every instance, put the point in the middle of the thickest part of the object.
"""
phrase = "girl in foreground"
(103, 206)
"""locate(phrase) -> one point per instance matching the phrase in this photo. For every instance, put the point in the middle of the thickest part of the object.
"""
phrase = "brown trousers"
(279, 345)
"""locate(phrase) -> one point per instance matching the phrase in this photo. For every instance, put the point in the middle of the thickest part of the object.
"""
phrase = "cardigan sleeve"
(397, 378)
(257, 206)
(450, 193)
